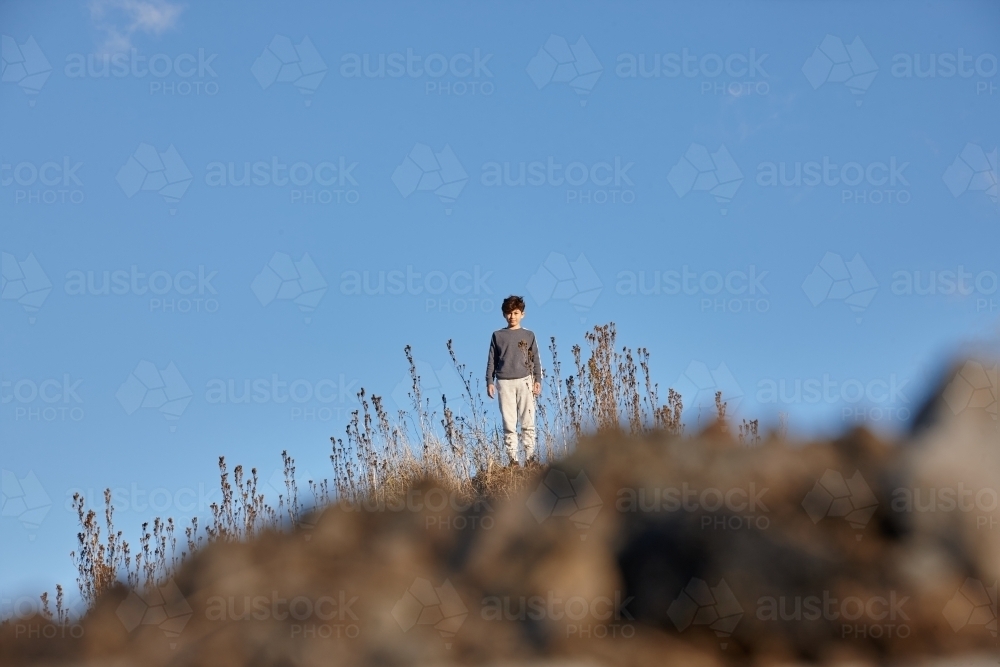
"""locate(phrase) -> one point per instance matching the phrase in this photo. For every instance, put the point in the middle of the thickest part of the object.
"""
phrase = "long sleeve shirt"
(507, 361)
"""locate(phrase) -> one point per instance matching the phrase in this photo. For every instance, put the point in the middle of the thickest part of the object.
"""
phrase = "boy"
(514, 361)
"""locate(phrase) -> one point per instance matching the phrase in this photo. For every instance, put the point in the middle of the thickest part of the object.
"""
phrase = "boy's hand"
(490, 390)
(537, 389)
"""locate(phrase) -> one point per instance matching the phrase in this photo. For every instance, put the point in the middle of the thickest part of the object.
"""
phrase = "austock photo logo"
(875, 616)
(284, 62)
(701, 171)
(835, 62)
(973, 605)
(557, 61)
(852, 282)
(459, 292)
(954, 284)
(560, 496)
(187, 501)
(875, 183)
(24, 65)
(325, 182)
(183, 75)
(973, 170)
(582, 618)
(24, 499)
(147, 387)
(49, 182)
(873, 400)
(149, 170)
(698, 385)
(559, 279)
(308, 399)
(701, 604)
(974, 388)
(185, 291)
(457, 75)
(284, 279)
(978, 504)
(323, 617)
(163, 606)
(423, 603)
(871, 183)
(424, 170)
(24, 282)
(744, 74)
(833, 279)
(733, 508)
(834, 496)
(947, 65)
(604, 182)
(737, 291)
(43, 401)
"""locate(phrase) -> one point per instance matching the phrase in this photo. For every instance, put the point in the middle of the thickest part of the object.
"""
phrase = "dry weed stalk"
(720, 411)
(749, 432)
(61, 616)
(99, 563)
(782, 429)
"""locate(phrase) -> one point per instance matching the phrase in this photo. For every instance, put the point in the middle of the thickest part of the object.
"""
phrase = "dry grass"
(382, 456)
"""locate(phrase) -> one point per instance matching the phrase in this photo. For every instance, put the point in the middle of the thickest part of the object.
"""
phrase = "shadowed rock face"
(633, 551)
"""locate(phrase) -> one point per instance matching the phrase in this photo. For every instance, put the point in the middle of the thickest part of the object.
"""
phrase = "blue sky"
(648, 200)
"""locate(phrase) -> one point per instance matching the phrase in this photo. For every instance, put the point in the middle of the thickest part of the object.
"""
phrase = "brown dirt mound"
(653, 550)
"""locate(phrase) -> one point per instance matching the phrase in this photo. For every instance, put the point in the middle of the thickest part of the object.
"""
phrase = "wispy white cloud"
(119, 20)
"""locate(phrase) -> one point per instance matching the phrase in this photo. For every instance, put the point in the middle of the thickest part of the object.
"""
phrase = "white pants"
(517, 404)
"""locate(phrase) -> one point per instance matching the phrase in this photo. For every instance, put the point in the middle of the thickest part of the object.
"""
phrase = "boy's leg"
(526, 415)
(507, 397)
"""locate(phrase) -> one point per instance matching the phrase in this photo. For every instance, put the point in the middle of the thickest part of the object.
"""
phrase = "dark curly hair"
(513, 302)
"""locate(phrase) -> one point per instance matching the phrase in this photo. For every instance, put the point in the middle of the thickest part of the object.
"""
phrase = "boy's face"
(514, 318)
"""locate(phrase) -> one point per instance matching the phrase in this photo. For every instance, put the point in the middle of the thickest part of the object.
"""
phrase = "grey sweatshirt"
(507, 361)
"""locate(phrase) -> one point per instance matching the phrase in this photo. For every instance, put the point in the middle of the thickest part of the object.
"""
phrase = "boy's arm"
(490, 367)
(536, 362)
